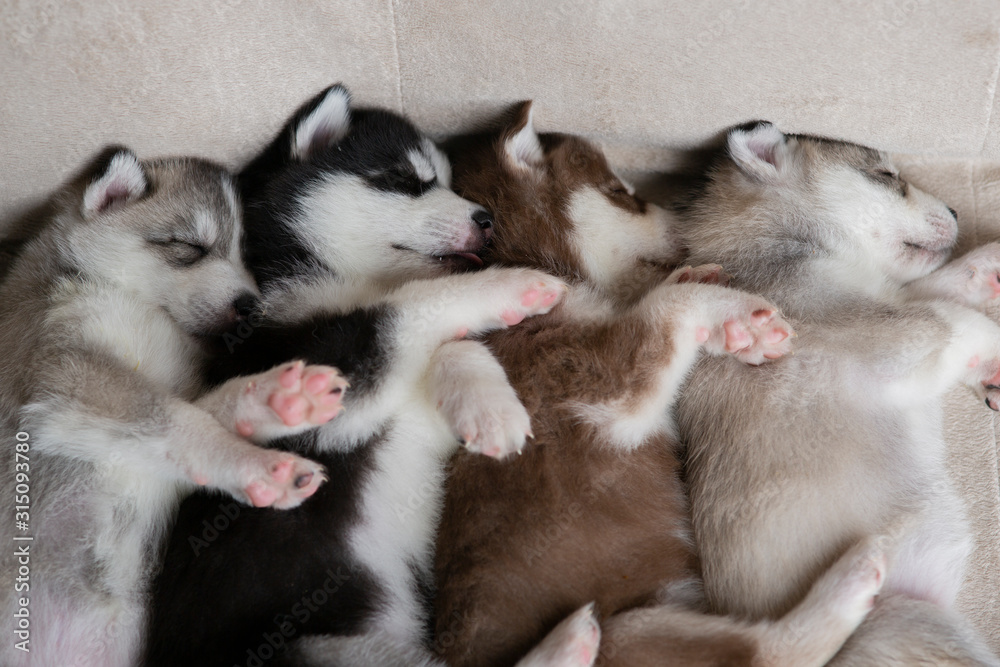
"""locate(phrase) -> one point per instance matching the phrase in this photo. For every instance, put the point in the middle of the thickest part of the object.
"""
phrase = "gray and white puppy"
(793, 462)
(102, 318)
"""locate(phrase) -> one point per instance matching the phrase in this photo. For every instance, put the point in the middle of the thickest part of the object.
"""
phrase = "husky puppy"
(102, 323)
(597, 510)
(790, 465)
(352, 233)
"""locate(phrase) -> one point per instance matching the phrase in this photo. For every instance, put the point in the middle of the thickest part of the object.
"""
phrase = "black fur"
(216, 599)
(273, 185)
(219, 606)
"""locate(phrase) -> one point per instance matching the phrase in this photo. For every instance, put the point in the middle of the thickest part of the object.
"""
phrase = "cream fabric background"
(644, 77)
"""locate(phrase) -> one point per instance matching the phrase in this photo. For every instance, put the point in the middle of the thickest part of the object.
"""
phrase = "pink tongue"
(475, 259)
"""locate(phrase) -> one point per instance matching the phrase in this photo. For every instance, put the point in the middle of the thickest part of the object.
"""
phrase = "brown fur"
(571, 520)
(581, 517)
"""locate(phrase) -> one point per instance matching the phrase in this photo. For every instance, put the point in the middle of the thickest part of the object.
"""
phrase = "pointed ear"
(323, 122)
(520, 144)
(759, 149)
(120, 180)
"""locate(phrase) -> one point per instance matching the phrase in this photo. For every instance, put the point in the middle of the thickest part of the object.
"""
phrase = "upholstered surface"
(645, 77)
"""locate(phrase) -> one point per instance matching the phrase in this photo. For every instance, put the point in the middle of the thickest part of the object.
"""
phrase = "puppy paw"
(489, 419)
(573, 643)
(281, 480)
(530, 293)
(858, 578)
(289, 398)
(706, 274)
(984, 378)
(754, 335)
(982, 272)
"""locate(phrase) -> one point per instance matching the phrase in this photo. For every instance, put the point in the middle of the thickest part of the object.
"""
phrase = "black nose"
(954, 213)
(245, 305)
(483, 218)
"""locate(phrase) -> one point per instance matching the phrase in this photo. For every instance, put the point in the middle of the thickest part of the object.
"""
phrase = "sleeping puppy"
(790, 466)
(103, 321)
(353, 235)
(596, 510)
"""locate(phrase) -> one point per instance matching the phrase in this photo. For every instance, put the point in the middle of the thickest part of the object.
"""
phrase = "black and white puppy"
(353, 236)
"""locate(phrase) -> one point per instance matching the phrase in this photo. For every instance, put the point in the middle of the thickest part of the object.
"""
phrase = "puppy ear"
(321, 123)
(120, 180)
(759, 149)
(521, 144)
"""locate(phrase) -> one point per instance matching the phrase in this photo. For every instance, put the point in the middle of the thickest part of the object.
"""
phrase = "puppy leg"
(138, 427)
(836, 605)
(471, 390)
(724, 321)
(972, 280)
(901, 631)
(807, 637)
(431, 312)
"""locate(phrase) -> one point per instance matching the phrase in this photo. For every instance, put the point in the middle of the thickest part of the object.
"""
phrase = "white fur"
(382, 237)
(762, 150)
(123, 181)
(524, 150)
(611, 241)
(326, 125)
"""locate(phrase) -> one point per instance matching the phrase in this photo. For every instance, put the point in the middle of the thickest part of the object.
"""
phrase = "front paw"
(529, 293)
(755, 333)
(289, 398)
(982, 267)
(488, 419)
(281, 480)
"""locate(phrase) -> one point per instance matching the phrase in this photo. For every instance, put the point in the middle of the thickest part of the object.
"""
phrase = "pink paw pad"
(511, 317)
(761, 336)
(310, 394)
(260, 494)
(992, 387)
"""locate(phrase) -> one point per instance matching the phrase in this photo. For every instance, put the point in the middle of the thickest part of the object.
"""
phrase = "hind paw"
(282, 480)
(289, 398)
(859, 574)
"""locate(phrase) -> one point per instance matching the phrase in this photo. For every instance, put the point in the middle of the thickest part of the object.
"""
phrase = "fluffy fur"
(349, 221)
(102, 321)
(596, 510)
(790, 466)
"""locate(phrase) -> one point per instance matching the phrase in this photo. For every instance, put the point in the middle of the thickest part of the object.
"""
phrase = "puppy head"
(805, 195)
(558, 206)
(361, 193)
(168, 231)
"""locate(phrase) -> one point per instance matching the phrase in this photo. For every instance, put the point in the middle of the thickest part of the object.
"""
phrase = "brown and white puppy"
(788, 468)
(596, 510)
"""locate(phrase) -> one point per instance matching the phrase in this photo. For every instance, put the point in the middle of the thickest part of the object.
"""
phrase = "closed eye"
(181, 252)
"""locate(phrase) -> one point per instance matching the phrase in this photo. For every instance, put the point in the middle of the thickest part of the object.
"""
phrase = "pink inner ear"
(765, 151)
(116, 192)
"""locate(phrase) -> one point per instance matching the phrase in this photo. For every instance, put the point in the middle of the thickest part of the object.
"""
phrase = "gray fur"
(792, 462)
(99, 322)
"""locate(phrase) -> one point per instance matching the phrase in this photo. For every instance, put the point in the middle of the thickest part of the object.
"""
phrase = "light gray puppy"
(791, 463)
(103, 323)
